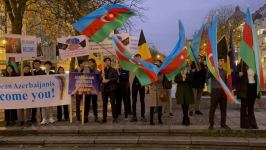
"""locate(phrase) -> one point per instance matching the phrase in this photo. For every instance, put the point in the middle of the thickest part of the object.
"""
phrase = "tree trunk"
(17, 26)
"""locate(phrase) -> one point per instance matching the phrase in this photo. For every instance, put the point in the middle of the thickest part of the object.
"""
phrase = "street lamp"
(158, 56)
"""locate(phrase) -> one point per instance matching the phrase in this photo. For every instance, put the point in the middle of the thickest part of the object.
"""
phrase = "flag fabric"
(11, 61)
(176, 60)
(191, 55)
(249, 50)
(101, 22)
(195, 43)
(223, 52)
(144, 71)
(232, 59)
(143, 48)
(212, 60)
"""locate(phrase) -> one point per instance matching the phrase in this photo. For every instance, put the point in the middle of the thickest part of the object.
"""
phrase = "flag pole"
(83, 109)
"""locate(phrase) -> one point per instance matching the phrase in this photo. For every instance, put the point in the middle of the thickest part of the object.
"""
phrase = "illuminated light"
(4, 42)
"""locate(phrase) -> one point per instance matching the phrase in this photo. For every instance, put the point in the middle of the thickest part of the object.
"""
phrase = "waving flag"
(144, 71)
(101, 22)
(195, 43)
(143, 48)
(176, 60)
(212, 60)
(223, 51)
(249, 50)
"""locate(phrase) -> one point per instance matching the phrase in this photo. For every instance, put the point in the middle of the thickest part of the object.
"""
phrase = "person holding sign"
(78, 96)
(25, 117)
(47, 111)
(109, 81)
(36, 72)
(10, 114)
(61, 70)
(91, 67)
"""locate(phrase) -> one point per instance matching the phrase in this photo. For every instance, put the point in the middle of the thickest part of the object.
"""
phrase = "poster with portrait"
(21, 46)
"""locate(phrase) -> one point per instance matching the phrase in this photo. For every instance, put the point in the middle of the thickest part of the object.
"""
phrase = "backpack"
(167, 84)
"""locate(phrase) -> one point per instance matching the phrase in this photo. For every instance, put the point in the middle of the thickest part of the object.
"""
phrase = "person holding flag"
(218, 96)
(246, 89)
(109, 82)
(184, 93)
(249, 74)
(138, 88)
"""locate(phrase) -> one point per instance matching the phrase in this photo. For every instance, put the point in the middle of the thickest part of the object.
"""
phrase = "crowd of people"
(116, 88)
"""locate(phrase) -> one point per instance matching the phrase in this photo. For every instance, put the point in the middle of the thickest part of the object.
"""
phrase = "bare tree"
(229, 19)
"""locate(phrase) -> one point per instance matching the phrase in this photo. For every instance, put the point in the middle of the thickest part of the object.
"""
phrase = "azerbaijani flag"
(144, 71)
(175, 62)
(195, 43)
(101, 22)
(212, 60)
(249, 50)
(143, 48)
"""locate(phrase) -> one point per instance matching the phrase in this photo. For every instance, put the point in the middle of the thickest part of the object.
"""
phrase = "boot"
(151, 115)
(160, 115)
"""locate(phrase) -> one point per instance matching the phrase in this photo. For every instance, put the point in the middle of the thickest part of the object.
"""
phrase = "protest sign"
(33, 91)
(84, 83)
(73, 46)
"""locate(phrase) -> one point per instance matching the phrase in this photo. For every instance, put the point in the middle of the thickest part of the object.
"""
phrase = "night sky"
(161, 18)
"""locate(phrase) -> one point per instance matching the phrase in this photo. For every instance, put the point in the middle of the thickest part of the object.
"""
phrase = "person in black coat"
(36, 72)
(198, 84)
(122, 92)
(109, 85)
(138, 88)
(79, 69)
(246, 90)
(10, 114)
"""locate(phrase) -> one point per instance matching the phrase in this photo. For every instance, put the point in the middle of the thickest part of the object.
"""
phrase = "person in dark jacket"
(109, 82)
(198, 83)
(246, 90)
(137, 88)
(90, 66)
(36, 72)
(218, 96)
(79, 69)
(61, 70)
(122, 92)
(184, 93)
(10, 114)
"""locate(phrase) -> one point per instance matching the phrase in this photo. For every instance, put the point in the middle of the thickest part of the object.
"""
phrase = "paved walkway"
(233, 117)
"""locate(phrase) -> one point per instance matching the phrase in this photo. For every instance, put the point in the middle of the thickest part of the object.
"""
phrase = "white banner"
(130, 42)
(73, 46)
(21, 46)
(33, 91)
